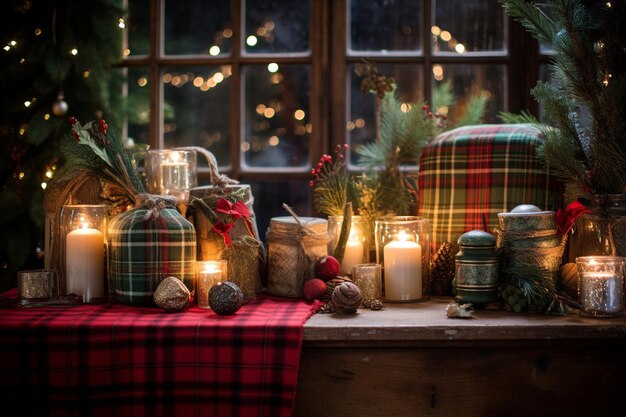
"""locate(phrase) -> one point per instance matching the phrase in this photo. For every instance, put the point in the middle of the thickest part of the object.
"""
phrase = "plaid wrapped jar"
(146, 245)
(470, 174)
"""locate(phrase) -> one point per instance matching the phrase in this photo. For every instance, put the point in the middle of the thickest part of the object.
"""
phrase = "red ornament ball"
(314, 289)
(327, 268)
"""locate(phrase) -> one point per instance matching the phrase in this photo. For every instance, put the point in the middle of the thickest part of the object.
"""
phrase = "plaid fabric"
(144, 252)
(116, 360)
(470, 174)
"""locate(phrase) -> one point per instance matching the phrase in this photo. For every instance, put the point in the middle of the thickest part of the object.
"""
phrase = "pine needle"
(92, 149)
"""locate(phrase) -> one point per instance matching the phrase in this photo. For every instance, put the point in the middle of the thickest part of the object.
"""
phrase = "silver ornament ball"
(60, 107)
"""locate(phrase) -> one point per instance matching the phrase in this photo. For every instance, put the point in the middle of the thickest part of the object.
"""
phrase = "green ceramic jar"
(476, 268)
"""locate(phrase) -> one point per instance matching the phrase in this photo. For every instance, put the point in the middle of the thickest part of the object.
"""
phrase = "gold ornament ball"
(60, 107)
(172, 295)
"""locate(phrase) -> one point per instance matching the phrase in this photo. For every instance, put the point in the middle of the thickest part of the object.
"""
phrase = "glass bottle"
(602, 231)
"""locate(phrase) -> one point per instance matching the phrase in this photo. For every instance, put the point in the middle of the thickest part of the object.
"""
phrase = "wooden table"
(411, 360)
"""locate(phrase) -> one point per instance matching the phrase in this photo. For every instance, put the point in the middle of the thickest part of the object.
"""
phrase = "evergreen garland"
(588, 74)
(35, 66)
(387, 187)
(403, 132)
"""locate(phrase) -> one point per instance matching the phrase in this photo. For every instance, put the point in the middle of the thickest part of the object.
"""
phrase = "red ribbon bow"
(565, 218)
(237, 210)
(223, 229)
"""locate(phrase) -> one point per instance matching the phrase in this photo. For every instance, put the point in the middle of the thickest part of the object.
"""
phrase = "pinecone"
(332, 283)
(376, 305)
(326, 308)
(442, 270)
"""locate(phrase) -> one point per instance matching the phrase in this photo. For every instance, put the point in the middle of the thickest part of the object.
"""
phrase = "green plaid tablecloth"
(470, 174)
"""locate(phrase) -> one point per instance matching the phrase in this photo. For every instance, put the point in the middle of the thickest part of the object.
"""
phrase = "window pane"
(197, 109)
(138, 104)
(465, 78)
(197, 27)
(468, 26)
(385, 25)
(277, 26)
(137, 28)
(269, 197)
(276, 115)
(361, 125)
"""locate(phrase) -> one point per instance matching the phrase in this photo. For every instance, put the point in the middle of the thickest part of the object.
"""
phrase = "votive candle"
(601, 285)
(209, 274)
(368, 278)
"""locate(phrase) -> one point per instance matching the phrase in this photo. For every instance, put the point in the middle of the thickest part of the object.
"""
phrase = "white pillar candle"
(352, 256)
(403, 270)
(85, 263)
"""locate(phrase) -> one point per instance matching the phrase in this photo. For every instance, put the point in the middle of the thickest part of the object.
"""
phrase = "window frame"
(329, 59)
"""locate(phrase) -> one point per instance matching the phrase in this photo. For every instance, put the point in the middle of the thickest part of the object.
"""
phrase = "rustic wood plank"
(557, 380)
(423, 322)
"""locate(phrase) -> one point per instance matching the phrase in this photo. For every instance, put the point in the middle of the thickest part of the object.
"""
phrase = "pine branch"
(536, 284)
(103, 155)
(523, 118)
(531, 17)
(443, 96)
(474, 109)
(331, 184)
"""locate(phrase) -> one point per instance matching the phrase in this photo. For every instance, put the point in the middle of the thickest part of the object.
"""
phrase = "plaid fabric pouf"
(470, 174)
(146, 245)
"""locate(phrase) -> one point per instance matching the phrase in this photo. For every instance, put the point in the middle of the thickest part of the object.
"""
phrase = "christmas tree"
(56, 61)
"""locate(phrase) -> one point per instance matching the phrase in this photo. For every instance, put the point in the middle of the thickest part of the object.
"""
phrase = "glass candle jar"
(209, 273)
(368, 278)
(357, 245)
(83, 250)
(601, 285)
(403, 250)
(171, 172)
(37, 285)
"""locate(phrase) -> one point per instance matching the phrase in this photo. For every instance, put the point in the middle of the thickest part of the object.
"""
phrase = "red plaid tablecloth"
(116, 360)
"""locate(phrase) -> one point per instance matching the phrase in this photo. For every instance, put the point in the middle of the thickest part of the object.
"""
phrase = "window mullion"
(236, 102)
(156, 87)
(427, 23)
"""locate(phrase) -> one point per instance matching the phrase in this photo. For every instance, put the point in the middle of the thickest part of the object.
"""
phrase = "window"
(268, 85)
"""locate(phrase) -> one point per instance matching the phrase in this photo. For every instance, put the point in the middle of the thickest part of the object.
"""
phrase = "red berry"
(327, 267)
(314, 289)
(311, 184)
(75, 135)
(72, 120)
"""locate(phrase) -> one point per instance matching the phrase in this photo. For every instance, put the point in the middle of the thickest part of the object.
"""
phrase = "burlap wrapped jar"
(243, 248)
(147, 244)
(293, 248)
